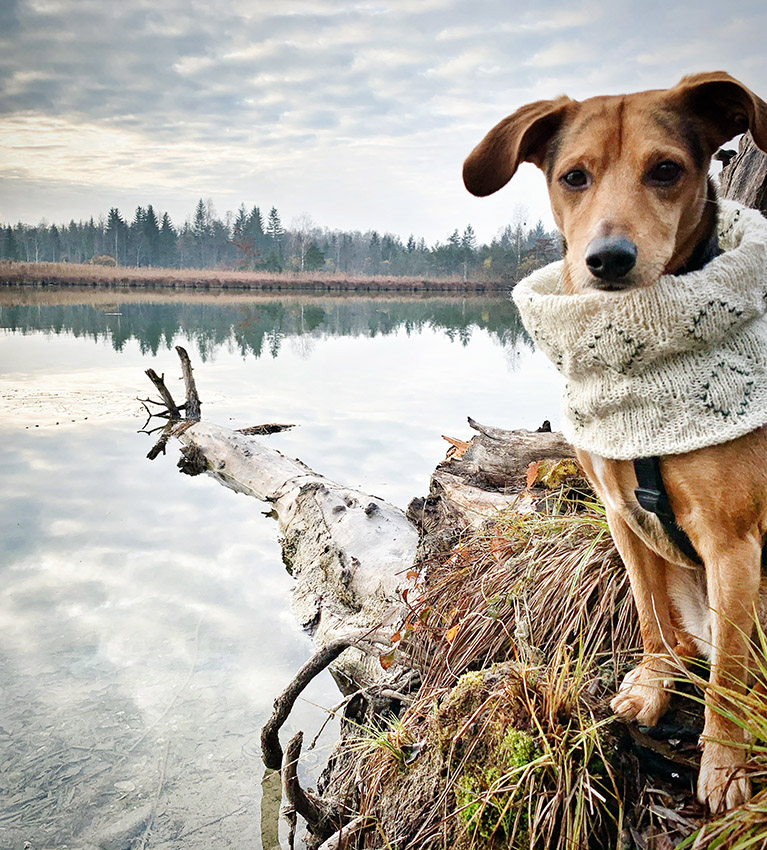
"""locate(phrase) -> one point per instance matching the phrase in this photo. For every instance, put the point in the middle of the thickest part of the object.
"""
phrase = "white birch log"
(348, 551)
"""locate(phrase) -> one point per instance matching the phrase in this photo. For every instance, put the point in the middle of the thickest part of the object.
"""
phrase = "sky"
(357, 114)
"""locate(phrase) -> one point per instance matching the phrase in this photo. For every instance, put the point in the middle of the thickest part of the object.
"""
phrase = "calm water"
(145, 615)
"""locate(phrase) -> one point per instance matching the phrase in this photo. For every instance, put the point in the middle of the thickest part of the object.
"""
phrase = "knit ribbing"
(665, 369)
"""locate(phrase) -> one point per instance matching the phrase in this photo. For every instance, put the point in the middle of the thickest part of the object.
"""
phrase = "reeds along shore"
(82, 274)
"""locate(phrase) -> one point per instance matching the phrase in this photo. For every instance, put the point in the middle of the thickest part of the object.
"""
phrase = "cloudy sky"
(358, 114)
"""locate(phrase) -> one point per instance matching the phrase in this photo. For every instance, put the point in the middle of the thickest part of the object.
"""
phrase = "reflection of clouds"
(108, 563)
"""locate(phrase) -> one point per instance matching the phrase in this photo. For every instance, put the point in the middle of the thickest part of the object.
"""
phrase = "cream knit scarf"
(667, 369)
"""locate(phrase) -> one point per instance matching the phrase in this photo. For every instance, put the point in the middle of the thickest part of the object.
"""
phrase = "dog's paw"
(644, 694)
(722, 785)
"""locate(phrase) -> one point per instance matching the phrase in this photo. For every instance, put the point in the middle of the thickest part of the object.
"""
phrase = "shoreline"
(13, 274)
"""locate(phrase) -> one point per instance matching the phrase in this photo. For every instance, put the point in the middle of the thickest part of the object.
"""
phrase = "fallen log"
(348, 551)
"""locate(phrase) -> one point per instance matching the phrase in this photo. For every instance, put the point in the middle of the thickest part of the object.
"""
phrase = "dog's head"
(627, 175)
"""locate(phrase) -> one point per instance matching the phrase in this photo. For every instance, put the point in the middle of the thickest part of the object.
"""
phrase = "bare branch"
(192, 399)
(164, 393)
(271, 750)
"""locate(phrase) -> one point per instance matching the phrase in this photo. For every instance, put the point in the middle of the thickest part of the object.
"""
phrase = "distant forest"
(251, 241)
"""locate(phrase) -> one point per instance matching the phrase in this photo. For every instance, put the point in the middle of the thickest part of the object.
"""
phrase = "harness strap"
(652, 496)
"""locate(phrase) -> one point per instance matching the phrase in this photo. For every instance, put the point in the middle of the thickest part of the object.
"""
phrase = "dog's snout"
(611, 257)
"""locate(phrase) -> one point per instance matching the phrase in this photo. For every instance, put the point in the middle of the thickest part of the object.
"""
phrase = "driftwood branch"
(323, 820)
(264, 430)
(167, 398)
(159, 446)
(306, 804)
(192, 399)
(340, 839)
(271, 750)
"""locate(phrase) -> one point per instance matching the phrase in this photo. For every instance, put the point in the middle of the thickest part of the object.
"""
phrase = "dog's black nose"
(611, 257)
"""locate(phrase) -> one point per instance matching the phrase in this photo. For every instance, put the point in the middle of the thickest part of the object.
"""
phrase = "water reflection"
(145, 615)
(256, 325)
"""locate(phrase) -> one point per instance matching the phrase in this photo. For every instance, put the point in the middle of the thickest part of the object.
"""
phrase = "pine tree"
(255, 226)
(274, 229)
(314, 259)
(168, 251)
(10, 249)
(116, 234)
(136, 236)
(240, 222)
(151, 231)
(201, 232)
(55, 244)
(468, 247)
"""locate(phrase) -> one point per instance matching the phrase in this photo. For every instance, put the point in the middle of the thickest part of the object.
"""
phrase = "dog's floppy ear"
(521, 137)
(726, 106)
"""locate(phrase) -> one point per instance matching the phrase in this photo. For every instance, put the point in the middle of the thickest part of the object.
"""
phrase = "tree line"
(252, 241)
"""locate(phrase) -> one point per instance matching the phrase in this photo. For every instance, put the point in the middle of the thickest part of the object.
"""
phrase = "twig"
(150, 821)
(339, 839)
(332, 712)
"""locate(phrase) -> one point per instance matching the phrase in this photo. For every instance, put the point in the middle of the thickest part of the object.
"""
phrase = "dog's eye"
(576, 179)
(665, 173)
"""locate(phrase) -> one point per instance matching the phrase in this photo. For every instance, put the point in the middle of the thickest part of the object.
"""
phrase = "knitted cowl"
(665, 369)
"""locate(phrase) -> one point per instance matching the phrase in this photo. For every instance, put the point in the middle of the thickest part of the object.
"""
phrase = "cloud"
(558, 54)
(318, 105)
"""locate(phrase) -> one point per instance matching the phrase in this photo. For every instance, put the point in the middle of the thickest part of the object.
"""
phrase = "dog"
(629, 186)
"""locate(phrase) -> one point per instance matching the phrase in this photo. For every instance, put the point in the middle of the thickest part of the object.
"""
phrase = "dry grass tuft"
(515, 756)
(521, 589)
(520, 634)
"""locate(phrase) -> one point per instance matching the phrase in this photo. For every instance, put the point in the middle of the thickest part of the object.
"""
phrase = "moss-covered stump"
(513, 756)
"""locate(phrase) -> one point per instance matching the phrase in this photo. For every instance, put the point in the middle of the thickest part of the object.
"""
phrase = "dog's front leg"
(644, 694)
(732, 578)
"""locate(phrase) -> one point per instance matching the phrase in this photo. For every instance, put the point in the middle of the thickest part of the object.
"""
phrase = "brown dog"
(629, 189)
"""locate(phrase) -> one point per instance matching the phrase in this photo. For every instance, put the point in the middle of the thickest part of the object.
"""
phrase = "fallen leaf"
(552, 473)
(532, 473)
(457, 447)
(387, 660)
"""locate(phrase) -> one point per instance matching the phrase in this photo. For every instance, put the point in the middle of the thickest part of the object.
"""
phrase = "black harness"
(652, 496)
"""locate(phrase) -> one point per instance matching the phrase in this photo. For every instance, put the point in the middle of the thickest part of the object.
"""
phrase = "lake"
(146, 621)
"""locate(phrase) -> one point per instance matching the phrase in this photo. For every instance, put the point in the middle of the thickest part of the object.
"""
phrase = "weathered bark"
(497, 460)
(745, 178)
(471, 485)
(167, 398)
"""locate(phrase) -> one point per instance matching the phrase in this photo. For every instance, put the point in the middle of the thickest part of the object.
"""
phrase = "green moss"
(485, 796)
(518, 749)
